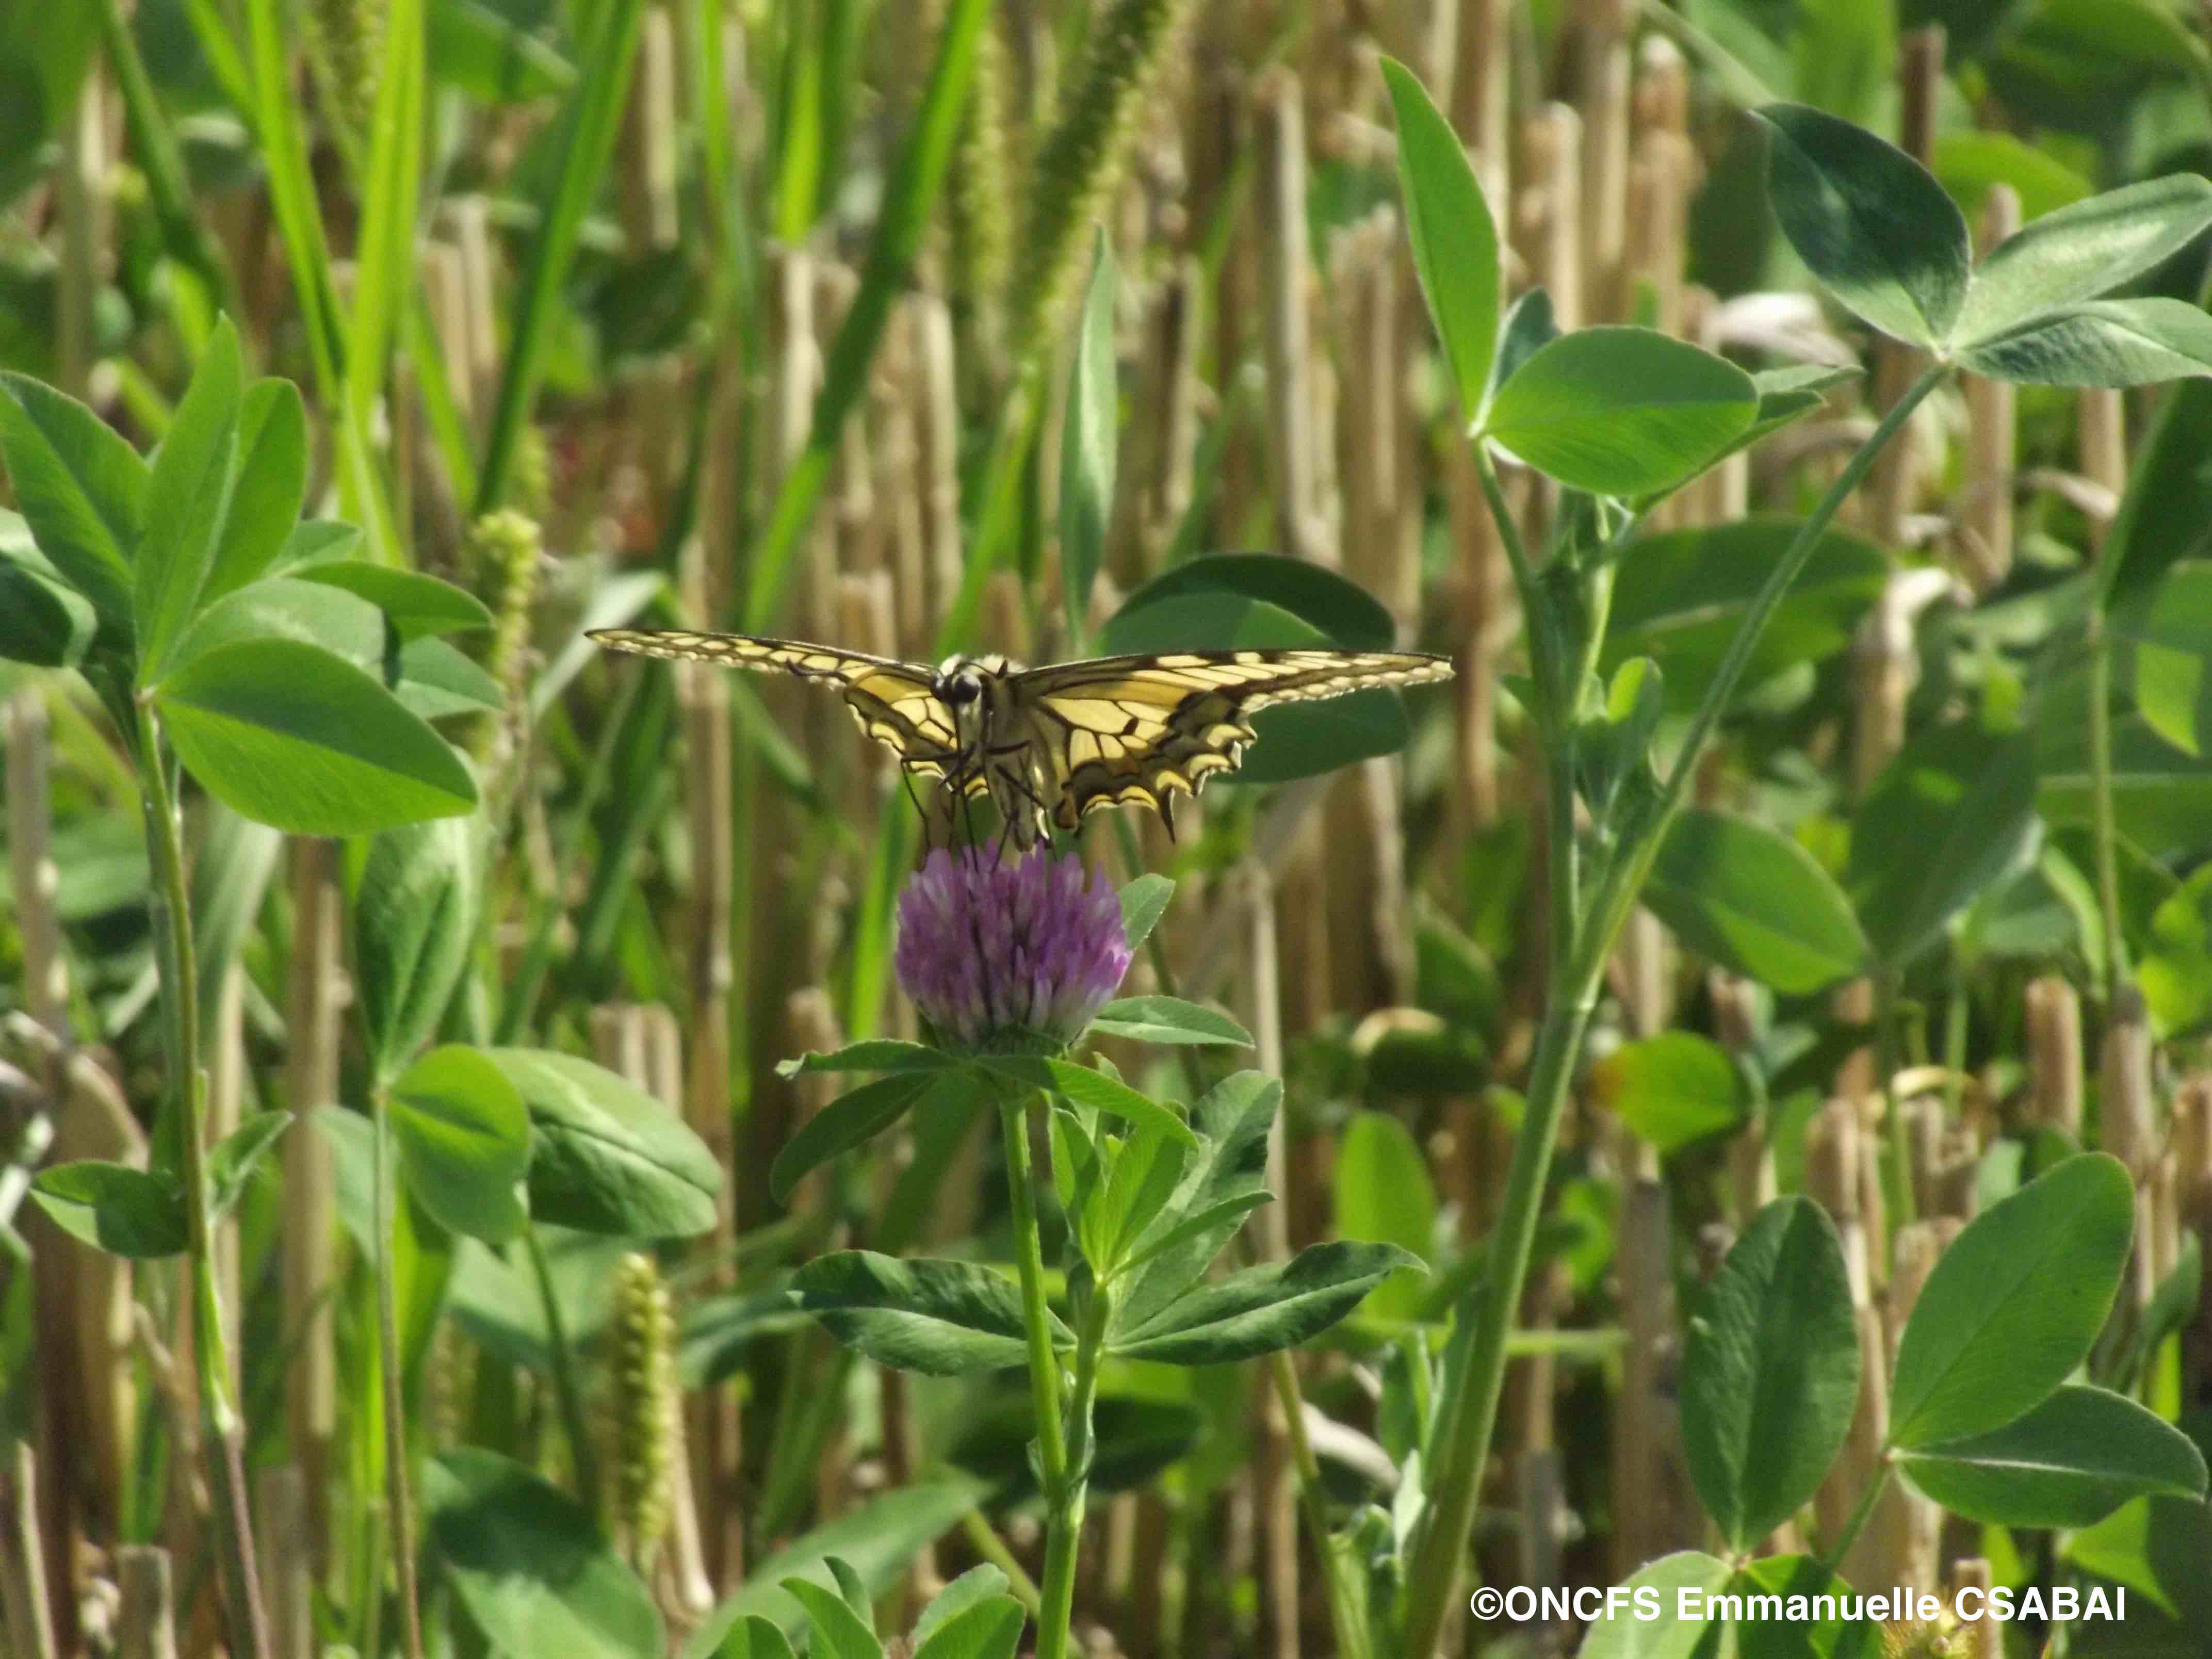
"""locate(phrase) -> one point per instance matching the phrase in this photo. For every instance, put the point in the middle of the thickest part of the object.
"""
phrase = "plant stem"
(1064, 1527)
(180, 991)
(1044, 1377)
(1902, 1204)
(1347, 1601)
(395, 1408)
(1833, 1558)
(1344, 1577)
(1624, 877)
(1468, 1410)
(978, 1532)
(581, 1454)
(2113, 968)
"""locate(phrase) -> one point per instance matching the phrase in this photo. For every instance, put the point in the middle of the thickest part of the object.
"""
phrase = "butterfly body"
(1050, 744)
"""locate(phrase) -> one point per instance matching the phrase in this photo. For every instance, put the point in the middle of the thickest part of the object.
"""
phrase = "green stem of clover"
(395, 1407)
(180, 998)
(1467, 1412)
(1014, 1110)
(571, 1398)
(1065, 1524)
(1342, 1575)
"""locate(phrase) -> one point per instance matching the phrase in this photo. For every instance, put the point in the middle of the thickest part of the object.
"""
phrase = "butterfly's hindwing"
(1143, 729)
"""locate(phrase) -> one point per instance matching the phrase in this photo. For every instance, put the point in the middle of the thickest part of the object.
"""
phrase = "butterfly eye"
(959, 691)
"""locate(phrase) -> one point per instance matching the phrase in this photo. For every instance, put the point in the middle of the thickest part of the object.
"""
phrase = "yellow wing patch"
(894, 702)
(1143, 729)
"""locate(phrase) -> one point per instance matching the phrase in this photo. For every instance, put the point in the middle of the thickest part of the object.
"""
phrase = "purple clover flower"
(1002, 957)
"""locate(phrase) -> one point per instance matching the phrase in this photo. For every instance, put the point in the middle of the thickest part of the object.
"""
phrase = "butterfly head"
(959, 680)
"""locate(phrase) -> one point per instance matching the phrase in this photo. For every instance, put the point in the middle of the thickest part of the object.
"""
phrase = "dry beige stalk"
(1603, 30)
(1292, 453)
(2054, 1054)
(1894, 477)
(1984, 539)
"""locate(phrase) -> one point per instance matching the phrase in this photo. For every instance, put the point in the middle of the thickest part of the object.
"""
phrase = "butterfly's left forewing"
(894, 702)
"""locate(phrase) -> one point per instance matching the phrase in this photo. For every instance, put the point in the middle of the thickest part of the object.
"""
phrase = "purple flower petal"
(999, 954)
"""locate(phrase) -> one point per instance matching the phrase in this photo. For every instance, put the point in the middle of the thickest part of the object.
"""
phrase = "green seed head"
(643, 1398)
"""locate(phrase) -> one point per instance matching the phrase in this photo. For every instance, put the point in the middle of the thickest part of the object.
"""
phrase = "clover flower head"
(1008, 957)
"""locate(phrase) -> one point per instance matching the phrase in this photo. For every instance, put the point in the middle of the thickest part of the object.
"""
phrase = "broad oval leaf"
(2169, 632)
(1169, 1020)
(1679, 596)
(526, 1561)
(2069, 1462)
(2157, 1547)
(1454, 239)
(286, 733)
(272, 482)
(971, 1588)
(417, 604)
(1229, 601)
(850, 1120)
(1667, 1636)
(414, 925)
(1949, 817)
(1221, 1184)
(80, 487)
(238, 1154)
(493, 58)
(436, 680)
(1095, 1089)
(1754, 901)
(873, 1054)
(1384, 1194)
(1263, 1309)
(187, 501)
(1144, 901)
(1339, 611)
(1134, 1439)
(43, 622)
(1622, 411)
(1770, 1371)
(1970, 159)
(2167, 513)
(989, 1630)
(137, 1214)
(2014, 1304)
(878, 1541)
(754, 1637)
(1869, 221)
(2175, 970)
(2083, 250)
(839, 1633)
(2100, 342)
(940, 1318)
(607, 1158)
(1751, 1626)
(464, 1140)
(280, 608)
(1674, 1090)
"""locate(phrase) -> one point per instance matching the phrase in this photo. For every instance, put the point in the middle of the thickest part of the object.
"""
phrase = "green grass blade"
(306, 249)
(384, 270)
(155, 149)
(915, 181)
(590, 125)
